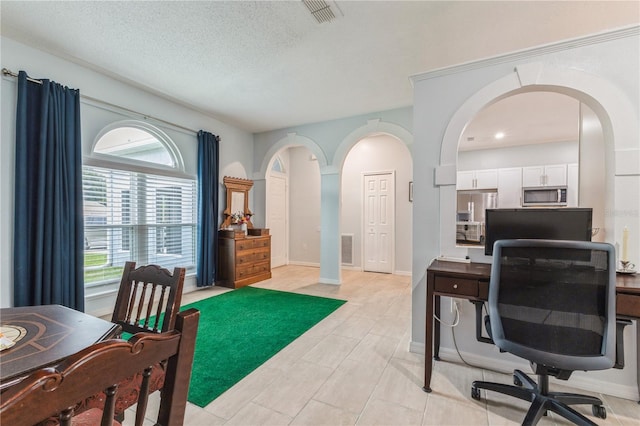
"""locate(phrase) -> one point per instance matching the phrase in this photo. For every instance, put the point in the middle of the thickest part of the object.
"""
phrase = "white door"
(379, 214)
(276, 206)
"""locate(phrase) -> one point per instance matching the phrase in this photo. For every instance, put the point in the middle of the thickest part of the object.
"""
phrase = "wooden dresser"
(243, 259)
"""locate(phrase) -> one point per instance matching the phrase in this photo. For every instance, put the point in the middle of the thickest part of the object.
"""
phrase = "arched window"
(138, 203)
(277, 165)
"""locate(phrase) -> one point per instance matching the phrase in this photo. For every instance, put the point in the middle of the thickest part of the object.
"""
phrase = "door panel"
(277, 219)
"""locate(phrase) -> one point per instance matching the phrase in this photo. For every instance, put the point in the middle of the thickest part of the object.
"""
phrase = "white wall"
(374, 154)
(330, 142)
(519, 156)
(304, 207)
(602, 72)
(236, 145)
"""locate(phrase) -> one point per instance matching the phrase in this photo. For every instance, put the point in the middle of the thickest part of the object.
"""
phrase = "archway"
(292, 200)
(376, 212)
(611, 107)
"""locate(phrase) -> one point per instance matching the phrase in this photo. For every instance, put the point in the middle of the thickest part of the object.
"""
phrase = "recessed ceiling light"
(499, 135)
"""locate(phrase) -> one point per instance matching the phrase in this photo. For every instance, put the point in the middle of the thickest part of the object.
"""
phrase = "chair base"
(542, 400)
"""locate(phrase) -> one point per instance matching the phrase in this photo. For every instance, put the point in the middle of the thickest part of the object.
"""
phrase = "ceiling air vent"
(320, 10)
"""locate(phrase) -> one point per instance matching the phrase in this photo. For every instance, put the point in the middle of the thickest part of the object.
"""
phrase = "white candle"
(625, 243)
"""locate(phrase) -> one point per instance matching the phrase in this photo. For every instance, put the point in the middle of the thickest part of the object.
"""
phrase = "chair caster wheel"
(599, 411)
(475, 393)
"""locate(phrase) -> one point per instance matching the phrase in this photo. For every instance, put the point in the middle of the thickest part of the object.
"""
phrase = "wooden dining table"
(46, 335)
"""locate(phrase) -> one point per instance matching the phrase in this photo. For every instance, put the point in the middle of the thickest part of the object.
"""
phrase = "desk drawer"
(461, 286)
(628, 304)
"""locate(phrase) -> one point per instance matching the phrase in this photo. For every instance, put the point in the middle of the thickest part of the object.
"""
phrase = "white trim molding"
(526, 54)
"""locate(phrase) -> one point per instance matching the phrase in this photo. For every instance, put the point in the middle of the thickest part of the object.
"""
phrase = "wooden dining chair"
(148, 300)
(54, 391)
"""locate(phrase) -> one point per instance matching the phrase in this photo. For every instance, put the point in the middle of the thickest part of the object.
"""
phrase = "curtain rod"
(8, 72)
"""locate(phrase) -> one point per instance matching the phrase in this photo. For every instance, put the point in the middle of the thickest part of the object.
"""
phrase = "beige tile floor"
(354, 368)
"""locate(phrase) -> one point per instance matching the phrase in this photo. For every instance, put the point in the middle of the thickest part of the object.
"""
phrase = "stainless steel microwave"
(544, 196)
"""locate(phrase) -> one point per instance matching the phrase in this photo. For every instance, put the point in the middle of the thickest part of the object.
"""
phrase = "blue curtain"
(207, 248)
(49, 233)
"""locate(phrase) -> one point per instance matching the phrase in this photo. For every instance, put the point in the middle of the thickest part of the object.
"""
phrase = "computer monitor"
(537, 223)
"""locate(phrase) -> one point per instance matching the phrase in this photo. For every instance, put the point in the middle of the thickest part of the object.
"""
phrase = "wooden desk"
(471, 281)
(53, 332)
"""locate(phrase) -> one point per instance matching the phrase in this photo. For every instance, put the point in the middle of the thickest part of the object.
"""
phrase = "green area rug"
(241, 329)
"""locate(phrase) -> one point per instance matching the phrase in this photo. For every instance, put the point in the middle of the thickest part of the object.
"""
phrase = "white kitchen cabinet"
(510, 187)
(477, 179)
(465, 180)
(550, 175)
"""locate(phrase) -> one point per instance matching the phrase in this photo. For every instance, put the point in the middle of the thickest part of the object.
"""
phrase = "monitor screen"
(533, 223)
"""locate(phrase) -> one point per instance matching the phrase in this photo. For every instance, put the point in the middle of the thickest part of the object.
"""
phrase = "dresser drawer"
(242, 245)
(261, 268)
(249, 270)
(252, 243)
(460, 286)
(246, 257)
(252, 256)
(261, 254)
(245, 271)
(262, 242)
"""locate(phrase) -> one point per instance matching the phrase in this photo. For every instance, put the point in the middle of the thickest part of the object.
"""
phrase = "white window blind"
(129, 215)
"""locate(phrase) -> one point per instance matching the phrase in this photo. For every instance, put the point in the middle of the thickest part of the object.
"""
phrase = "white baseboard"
(344, 267)
(584, 383)
(416, 347)
(300, 263)
(351, 268)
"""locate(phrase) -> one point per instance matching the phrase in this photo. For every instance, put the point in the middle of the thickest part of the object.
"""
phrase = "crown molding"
(632, 31)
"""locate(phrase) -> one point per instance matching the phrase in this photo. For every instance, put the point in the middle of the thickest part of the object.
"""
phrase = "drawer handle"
(455, 286)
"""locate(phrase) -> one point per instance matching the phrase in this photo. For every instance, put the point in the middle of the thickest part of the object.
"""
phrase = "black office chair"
(552, 303)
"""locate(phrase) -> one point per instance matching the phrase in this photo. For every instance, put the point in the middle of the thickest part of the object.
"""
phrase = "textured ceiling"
(265, 65)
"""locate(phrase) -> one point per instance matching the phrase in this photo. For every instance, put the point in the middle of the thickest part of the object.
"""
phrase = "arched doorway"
(292, 200)
(375, 207)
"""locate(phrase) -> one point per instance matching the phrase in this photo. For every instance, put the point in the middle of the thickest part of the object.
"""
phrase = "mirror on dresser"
(527, 140)
(237, 190)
